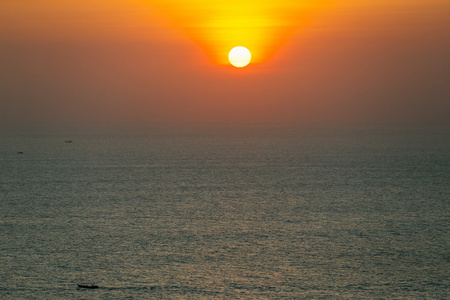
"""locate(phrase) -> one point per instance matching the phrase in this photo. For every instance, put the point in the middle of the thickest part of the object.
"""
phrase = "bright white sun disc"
(239, 56)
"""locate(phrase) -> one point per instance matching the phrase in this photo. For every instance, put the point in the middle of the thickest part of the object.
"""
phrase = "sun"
(239, 57)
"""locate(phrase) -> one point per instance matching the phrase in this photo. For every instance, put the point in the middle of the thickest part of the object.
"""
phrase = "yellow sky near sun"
(216, 26)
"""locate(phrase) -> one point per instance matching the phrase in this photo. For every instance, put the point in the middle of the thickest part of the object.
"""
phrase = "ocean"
(226, 214)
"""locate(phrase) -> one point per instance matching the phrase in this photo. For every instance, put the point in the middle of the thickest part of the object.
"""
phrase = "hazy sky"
(122, 62)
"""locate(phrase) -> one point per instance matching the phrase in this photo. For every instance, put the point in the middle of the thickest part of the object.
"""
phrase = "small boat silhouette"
(84, 286)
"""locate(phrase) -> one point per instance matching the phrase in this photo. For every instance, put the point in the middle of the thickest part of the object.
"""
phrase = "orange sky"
(80, 62)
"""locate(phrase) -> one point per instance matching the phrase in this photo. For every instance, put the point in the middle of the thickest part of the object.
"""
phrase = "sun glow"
(218, 26)
(239, 57)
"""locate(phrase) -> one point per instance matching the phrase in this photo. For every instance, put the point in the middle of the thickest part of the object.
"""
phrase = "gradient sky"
(137, 62)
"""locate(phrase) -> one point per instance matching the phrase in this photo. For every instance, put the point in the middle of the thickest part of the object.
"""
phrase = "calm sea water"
(312, 214)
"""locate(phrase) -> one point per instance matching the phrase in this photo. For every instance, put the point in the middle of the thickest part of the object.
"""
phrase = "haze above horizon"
(100, 63)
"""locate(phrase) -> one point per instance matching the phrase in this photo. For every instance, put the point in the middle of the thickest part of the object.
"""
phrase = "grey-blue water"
(308, 214)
